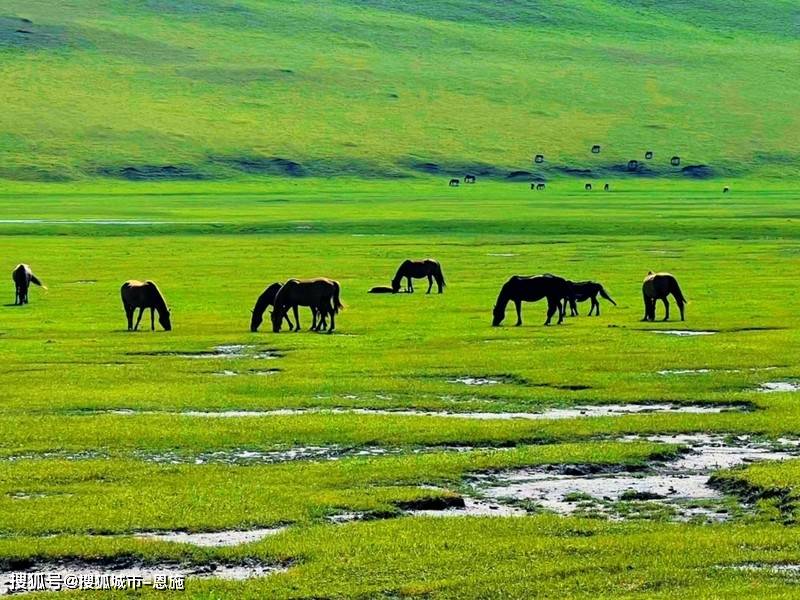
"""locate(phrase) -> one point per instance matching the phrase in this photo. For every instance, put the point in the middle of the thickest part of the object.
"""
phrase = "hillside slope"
(375, 88)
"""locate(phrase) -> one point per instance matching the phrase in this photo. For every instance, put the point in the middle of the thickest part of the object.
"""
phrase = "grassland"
(68, 365)
(216, 146)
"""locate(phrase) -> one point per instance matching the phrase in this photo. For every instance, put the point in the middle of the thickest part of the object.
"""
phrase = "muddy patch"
(469, 507)
(104, 575)
(779, 386)
(678, 489)
(215, 539)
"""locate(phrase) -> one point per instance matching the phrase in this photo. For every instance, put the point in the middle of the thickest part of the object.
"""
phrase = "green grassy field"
(68, 361)
(217, 146)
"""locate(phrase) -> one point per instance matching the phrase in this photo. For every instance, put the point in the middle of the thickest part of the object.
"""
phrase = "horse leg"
(139, 319)
(430, 284)
(333, 321)
(410, 286)
(595, 307)
(561, 311)
(666, 309)
(646, 316)
(551, 310)
(680, 307)
(129, 316)
(152, 319)
(296, 318)
(518, 304)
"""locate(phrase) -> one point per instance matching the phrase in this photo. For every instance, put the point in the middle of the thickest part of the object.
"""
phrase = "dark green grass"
(374, 89)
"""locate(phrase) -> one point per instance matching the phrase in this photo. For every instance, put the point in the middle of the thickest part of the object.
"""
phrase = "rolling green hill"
(213, 89)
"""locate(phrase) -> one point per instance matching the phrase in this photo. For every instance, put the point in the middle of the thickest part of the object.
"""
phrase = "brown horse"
(321, 294)
(141, 295)
(23, 277)
(657, 286)
(585, 290)
(417, 269)
(265, 300)
(530, 289)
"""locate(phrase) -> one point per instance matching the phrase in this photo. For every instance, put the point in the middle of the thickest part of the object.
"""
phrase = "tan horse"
(141, 295)
(23, 277)
(320, 294)
(657, 286)
(417, 269)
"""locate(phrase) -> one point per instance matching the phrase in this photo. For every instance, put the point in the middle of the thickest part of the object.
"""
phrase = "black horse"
(23, 277)
(454, 183)
(585, 290)
(469, 178)
(265, 300)
(419, 269)
(519, 289)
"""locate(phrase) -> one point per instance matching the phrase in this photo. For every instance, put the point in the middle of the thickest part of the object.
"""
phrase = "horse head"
(163, 318)
(255, 320)
(277, 319)
(497, 316)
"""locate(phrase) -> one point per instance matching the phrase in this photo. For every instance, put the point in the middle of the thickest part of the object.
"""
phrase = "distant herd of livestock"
(633, 166)
(322, 296)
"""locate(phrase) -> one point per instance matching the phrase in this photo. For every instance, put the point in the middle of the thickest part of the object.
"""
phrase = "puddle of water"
(320, 453)
(779, 386)
(502, 254)
(79, 575)
(223, 351)
(683, 332)
(475, 380)
(259, 372)
(677, 485)
(605, 410)
(704, 371)
(212, 540)
(782, 569)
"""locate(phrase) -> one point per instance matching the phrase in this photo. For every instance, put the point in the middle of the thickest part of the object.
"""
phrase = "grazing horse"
(417, 269)
(23, 277)
(596, 149)
(265, 300)
(648, 155)
(320, 294)
(141, 295)
(675, 161)
(469, 178)
(539, 158)
(726, 189)
(657, 286)
(588, 187)
(539, 186)
(453, 183)
(585, 290)
(530, 289)
(606, 187)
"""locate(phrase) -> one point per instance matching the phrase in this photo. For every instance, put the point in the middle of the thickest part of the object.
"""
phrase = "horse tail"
(440, 275)
(337, 303)
(676, 291)
(605, 295)
(35, 280)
